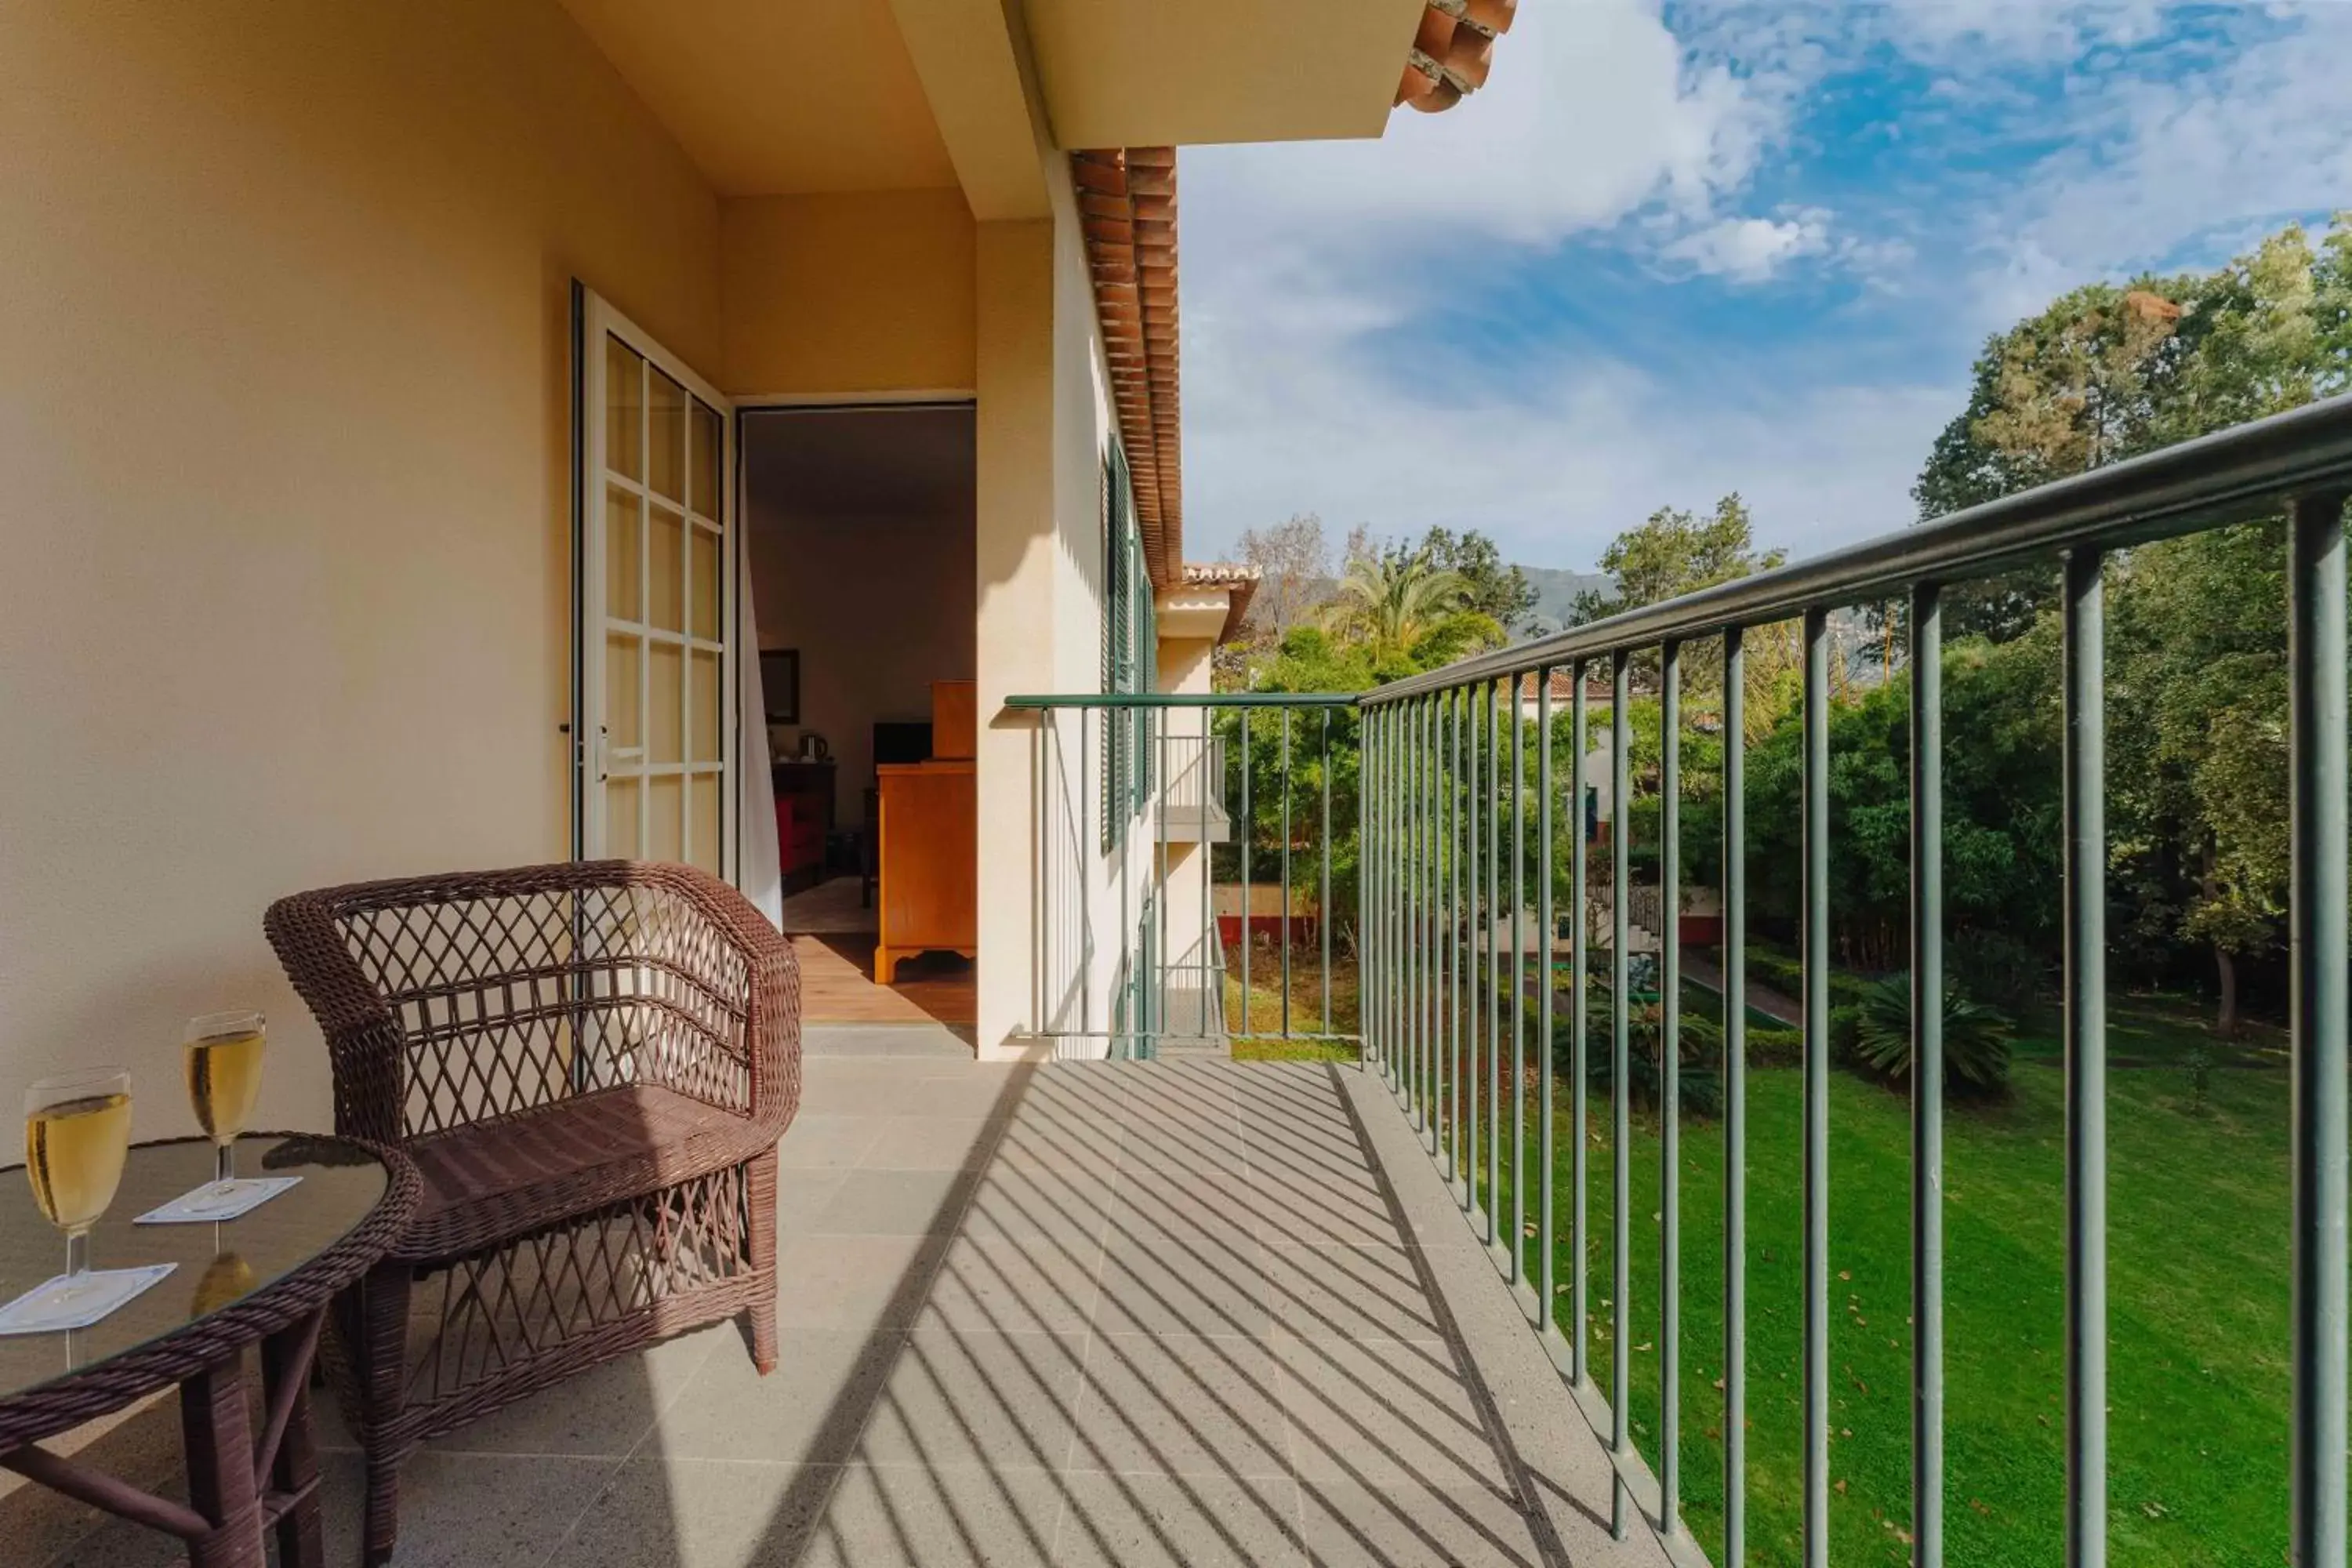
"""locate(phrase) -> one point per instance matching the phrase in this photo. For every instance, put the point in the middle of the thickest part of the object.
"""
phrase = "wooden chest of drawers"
(930, 862)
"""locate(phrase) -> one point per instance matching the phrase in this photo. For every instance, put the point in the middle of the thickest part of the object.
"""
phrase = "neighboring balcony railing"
(1195, 884)
(1455, 811)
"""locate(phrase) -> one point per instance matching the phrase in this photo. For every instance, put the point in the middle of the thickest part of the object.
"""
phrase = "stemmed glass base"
(223, 1167)
(74, 1287)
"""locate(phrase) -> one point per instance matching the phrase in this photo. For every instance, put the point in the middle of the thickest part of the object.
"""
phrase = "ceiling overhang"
(734, 83)
(1129, 73)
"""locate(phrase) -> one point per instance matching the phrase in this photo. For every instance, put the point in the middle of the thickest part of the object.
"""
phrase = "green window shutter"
(1130, 652)
(1147, 669)
(1118, 635)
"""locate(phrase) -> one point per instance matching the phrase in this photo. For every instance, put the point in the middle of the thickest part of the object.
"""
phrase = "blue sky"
(1675, 251)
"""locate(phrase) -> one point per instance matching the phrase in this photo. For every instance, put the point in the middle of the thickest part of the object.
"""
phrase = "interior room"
(863, 582)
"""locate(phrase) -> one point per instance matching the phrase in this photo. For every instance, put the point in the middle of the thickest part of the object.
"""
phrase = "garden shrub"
(1976, 1036)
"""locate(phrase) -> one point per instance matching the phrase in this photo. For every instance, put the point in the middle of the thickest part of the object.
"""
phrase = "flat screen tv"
(901, 740)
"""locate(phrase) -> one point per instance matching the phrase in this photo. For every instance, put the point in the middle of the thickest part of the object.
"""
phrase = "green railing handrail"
(2233, 475)
(1126, 699)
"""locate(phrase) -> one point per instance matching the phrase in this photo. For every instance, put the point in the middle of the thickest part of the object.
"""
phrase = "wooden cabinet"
(930, 862)
(955, 728)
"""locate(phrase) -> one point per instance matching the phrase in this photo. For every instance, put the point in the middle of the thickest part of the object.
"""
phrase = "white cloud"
(1593, 112)
(2158, 162)
(1752, 250)
(1312, 272)
(1552, 468)
(2017, 31)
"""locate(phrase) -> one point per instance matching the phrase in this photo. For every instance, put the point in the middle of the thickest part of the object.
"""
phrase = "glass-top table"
(265, 1277)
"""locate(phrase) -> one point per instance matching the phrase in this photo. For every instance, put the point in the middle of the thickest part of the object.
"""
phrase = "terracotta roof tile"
(1127, 209)
(1238, 578)
(1453, 49)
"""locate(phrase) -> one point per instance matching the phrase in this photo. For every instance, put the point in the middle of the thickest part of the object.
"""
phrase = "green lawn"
(2197, 1262)
(1262, 1031)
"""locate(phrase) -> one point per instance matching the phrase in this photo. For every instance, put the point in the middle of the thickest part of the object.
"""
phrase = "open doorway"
(863, 581)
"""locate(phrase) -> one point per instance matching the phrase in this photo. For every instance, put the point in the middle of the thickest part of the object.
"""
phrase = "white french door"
(658, 608)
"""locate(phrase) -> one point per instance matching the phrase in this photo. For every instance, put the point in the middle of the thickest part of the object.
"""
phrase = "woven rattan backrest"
(505, 991)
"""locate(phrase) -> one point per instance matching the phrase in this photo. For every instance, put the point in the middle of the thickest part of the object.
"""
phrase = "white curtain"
(760, 865)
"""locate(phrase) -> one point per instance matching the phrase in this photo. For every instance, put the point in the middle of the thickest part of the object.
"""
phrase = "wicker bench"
(590, 1064)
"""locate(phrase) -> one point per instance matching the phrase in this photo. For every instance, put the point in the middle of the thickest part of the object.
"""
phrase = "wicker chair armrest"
(363, 1038)
(772, 1026)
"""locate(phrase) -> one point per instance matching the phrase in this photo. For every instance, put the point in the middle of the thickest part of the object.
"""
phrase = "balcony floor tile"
(1184, 1312)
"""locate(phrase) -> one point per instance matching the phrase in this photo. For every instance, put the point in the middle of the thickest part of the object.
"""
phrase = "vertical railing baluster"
(1376, 865)
(1122, 802)
(1424, 959)
(1368, 946)
(1517, 731)
(1621, 1058)
(1401, 829)
(1213, 975)
(1454, 931)
(1579, 958)
(1494, 701)
(2083, 638)
(1392, 785)
(1670, 1052)
(1242, 836)
(1425, 817)
(1442, 1038)
(1087, 845)
(1040, 880)
(1475, 868)
(1546, 925)
(1928, 1076)
(1368, 882)
(1323, 899)
(1162, 784)
(1816, 984)
(1283, 774)
(2317, 890)
(1410, 715)
(1735, 1098)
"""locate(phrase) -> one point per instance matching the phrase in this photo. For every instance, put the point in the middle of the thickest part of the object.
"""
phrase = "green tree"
(2002, 814)
(1393, 602)
(2062, 391)
(1500, 593)
(2197, 629)
(2198, 757)
(1674, 553)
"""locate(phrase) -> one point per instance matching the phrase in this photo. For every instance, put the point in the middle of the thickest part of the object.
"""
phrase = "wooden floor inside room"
(832, 928)
(838, 984)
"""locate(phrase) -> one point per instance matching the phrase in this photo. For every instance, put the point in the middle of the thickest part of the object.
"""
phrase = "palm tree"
(1394, 601)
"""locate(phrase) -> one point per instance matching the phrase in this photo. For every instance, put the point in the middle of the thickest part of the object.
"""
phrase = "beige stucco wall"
(838, 294)
(284, 412)
(285, 367)
(1044, 425)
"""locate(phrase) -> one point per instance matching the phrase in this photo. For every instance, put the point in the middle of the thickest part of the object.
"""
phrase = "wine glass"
(77, 1136)
(222, 1053)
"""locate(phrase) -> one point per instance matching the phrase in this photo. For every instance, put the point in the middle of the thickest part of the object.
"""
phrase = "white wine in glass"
(224, 1077)
(222, 1053)
(77, 1136)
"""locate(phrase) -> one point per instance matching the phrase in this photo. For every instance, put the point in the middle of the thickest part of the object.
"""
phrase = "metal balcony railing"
(1408, 810)
(1187, 897)
(1445, 811)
